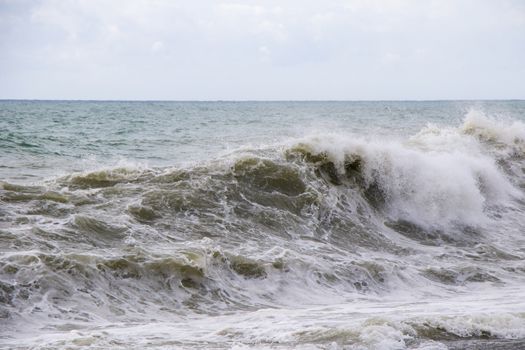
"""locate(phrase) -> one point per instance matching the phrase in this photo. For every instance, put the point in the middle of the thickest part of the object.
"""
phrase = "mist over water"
(319, 225)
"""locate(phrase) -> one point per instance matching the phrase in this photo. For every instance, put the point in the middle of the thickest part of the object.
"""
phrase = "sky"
(262, 50)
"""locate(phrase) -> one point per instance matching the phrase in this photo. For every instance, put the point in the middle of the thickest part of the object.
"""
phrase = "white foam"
(437, 177)
(361, 324)
(509, 132)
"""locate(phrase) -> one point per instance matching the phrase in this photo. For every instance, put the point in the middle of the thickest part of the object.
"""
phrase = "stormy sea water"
(265, 225)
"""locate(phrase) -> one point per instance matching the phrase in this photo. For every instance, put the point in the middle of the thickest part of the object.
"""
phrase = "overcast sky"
(278, 50)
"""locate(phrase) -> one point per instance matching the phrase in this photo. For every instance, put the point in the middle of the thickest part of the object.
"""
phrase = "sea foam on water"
(371, 235)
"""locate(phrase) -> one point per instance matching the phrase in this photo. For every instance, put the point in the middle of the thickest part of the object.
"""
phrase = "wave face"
(391, 232)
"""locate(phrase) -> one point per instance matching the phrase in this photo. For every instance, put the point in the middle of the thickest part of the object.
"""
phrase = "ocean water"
(262, 225)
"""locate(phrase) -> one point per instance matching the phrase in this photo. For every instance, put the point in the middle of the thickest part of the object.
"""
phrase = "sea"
(262, 225)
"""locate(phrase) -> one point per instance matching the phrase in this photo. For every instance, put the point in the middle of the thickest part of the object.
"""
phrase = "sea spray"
(325, 239)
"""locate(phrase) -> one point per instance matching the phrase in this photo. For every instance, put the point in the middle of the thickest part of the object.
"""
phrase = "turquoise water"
(319, 225)
(40, 138)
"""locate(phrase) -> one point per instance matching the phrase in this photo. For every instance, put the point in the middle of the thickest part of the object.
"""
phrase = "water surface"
(355, 225)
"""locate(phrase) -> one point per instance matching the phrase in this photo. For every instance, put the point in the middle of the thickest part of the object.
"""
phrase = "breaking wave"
(325, 217)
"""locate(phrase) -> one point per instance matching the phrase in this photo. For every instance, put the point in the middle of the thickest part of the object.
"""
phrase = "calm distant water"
(359, 225)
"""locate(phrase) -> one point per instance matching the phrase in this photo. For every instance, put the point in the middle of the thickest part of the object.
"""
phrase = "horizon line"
(262, 100)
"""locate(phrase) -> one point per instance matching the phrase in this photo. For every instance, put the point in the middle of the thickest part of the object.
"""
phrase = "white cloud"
(390, 58)
(336, 49)
(157, 46)
(264, 54)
